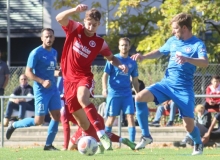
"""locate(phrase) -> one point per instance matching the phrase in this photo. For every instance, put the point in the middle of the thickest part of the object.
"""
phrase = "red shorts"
(70, 89)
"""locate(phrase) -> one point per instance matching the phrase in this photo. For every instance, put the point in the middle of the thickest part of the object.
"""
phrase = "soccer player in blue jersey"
(117, 87)
(41, 69)
(186, 52)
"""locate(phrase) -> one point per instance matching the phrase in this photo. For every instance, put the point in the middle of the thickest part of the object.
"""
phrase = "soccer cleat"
(50, 148)
(100, 149)
(169, 124)
(155, 124)
(144, 141)
(129, 143)
(10, 130)
(198, 149)
(106, 142)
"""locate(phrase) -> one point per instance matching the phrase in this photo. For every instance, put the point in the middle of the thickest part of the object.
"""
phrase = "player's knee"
(83, 101)
(189, 128)
(38, 122)
(84, 124)
(138, 98)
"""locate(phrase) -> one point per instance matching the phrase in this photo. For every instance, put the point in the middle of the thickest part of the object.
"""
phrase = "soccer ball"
(87, 145)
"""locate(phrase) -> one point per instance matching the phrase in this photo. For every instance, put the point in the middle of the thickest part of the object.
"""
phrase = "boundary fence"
(96, 96)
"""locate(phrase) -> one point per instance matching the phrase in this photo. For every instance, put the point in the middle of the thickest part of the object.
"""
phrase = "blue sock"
(27, 122)
(131, 132)
(195, 135)
(52, 131)
(142, 117)
(108, 129)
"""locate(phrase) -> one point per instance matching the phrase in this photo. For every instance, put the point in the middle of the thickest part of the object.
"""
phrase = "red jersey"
(79, 52)
(210, 90)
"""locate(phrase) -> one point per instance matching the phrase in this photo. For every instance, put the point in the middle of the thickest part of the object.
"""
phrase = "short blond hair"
(199, 107)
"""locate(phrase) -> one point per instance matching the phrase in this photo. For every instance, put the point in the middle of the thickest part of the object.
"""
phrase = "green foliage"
(149, 26)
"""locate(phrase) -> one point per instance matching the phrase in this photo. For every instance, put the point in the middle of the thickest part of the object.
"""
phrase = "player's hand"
(81, 8)
(124, 68)
(137, 57)
(181, 59)
(46, 83)
(206, 135)
(16, 101)
(105, 92)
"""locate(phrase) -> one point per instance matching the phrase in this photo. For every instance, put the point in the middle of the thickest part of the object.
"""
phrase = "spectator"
(167, 105)
(4, 77)
(20, 104)
(213, 89)
(202, 120)
(212, 133)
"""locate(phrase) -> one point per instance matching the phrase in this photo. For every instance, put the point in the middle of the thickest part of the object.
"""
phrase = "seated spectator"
(212, 133)
(203, 120)
(167, 105)
(20, 104)
(213, 89)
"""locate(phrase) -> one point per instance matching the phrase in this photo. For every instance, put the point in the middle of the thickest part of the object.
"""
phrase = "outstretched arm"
(151, 55)
(135, 84)
(115, 62)
(63, 17)
(207, 134)
(104, 84)
(200, 62)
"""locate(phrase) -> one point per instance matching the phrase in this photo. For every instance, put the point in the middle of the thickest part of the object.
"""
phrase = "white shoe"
(198, 149)
(144, 141)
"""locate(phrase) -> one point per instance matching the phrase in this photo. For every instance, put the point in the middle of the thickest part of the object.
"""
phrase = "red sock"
(93, 117)
(92, 132)
(113, 137)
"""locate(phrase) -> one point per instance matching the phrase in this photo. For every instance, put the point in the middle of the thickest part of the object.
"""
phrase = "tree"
(148, 25)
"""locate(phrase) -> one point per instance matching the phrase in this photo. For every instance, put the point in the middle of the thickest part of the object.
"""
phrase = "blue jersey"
(119, 83)
(43, 63)
(181, 75)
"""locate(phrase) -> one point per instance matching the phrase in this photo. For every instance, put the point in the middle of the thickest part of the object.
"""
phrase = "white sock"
(100, 133)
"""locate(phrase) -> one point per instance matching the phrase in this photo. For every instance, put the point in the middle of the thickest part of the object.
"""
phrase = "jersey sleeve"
(105, 51)
(108, 68)
(134, 73)
(72, 25)
(165, 49)
(32, 59)
(202, 52)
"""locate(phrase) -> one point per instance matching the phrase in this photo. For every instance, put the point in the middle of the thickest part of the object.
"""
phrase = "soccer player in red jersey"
(82, 45)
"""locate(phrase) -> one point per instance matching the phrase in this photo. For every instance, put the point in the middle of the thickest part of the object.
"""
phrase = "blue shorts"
(114, 105)
(184, 98)
(46, 103)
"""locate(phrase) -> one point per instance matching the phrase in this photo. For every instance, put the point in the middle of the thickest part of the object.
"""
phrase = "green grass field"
(36, 153)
